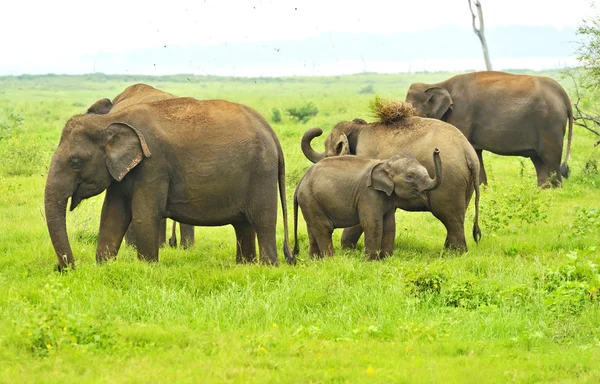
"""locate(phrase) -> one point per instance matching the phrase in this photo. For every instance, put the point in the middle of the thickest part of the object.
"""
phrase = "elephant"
(344, 191)
(203, 163)
(513, 115)
(416, 136)
(137, 94)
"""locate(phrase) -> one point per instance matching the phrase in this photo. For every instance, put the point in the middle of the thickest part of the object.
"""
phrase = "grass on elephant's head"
(388, 111)
(522, 305)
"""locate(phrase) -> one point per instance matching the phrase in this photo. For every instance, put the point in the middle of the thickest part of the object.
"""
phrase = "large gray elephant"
(204, 163)
(514, 115)
(138, 94)
(416, 136)
(345, 191)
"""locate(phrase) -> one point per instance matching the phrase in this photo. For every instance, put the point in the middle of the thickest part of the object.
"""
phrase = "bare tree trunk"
(480, 33)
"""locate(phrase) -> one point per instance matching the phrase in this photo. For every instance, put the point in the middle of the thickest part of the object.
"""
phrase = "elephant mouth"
(75, 200)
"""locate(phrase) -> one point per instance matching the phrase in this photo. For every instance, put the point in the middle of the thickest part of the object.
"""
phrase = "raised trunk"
(437, 179)
(307, 149)
(55, 203)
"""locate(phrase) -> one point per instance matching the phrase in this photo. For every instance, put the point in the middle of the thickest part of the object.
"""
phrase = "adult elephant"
(419, 137)
(138, 94)
(202, 163)
(514, 115)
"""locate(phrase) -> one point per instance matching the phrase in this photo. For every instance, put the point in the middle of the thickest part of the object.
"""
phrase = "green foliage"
(50, 326)
(588, 53)
(367, 89)
(572, 285)
(276, 116)
(587, 220)
(512, 208)
(303, 113)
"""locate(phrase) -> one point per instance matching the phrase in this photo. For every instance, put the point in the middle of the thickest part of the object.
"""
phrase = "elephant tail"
(476, 229)
(289, 256)
(474, 168)
(564, 167)
(296, 247)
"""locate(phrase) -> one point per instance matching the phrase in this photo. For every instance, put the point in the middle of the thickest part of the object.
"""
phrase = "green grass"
(522, 306)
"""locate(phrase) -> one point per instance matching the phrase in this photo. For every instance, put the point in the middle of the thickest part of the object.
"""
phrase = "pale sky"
(60, 30)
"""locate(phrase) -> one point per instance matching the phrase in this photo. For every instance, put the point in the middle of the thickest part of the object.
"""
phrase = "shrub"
(523, 204)
(367, 89)
(51, 327)
(304, 113)
(276, 116)
(587, 219)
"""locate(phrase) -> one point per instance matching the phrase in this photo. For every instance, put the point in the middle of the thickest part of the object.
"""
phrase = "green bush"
(50, 326)
(303, 113)
(276, 116)
(513, 208)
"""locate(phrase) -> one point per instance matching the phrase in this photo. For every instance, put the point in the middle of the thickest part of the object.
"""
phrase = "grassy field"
(522, 306)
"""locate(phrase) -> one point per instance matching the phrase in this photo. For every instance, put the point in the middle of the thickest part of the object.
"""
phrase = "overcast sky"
(65, 29)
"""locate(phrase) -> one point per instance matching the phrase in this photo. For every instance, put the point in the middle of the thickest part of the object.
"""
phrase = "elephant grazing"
(514, 115)
(402, 133)
(345, 191)
(202, 163)
(138, 94)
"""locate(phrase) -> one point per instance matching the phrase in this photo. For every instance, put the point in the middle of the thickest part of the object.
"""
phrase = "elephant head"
(404, 176)
(341, 141)
(100, 107)
(92, 154)
(429, 101)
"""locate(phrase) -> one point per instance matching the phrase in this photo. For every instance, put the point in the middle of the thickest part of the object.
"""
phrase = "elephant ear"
(342, 147)
(126, 147)
(439, 102)
(380, 179)
(100, 107)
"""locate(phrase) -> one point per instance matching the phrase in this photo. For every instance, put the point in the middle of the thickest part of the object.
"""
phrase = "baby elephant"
(343, 191)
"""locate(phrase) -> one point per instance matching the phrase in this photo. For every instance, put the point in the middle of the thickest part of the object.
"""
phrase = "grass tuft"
(388, 111)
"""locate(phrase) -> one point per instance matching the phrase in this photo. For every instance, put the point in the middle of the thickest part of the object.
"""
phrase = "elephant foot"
(460, 247)
(173, 242)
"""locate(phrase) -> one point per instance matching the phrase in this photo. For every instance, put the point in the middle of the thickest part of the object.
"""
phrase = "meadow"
(522, 306)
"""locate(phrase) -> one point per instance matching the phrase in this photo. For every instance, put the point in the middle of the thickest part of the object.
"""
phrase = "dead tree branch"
(581, 118)
(480, 32)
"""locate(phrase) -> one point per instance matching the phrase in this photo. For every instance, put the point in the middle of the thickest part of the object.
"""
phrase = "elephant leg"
(146, 218)
(322, 234)
(173, 238)
(389, 233)
(246, 243)
(188, 237)
(129, 239)
(351, 235)
(453, 217)
(455, 237)
(542, 171)
(114, 221)
(373, 237)
(162, 233)
(313, 246)
(482, 174)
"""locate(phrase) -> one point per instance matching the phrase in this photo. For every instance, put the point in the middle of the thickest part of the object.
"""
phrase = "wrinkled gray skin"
(416, 136)
(233, 171)
(345, 191)
(138, 94)
(514, 115)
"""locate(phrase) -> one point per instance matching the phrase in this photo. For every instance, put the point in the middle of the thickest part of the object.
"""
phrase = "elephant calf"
(344, 191)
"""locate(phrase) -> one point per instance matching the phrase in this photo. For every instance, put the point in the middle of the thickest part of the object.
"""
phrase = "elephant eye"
(410, 176)
(76, 163)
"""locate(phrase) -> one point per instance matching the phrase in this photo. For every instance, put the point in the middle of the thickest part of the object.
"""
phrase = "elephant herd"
(214, 162)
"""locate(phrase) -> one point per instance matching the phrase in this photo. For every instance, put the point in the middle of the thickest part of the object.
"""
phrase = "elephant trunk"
(56, 195)
(437, 179)
(307, 149)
